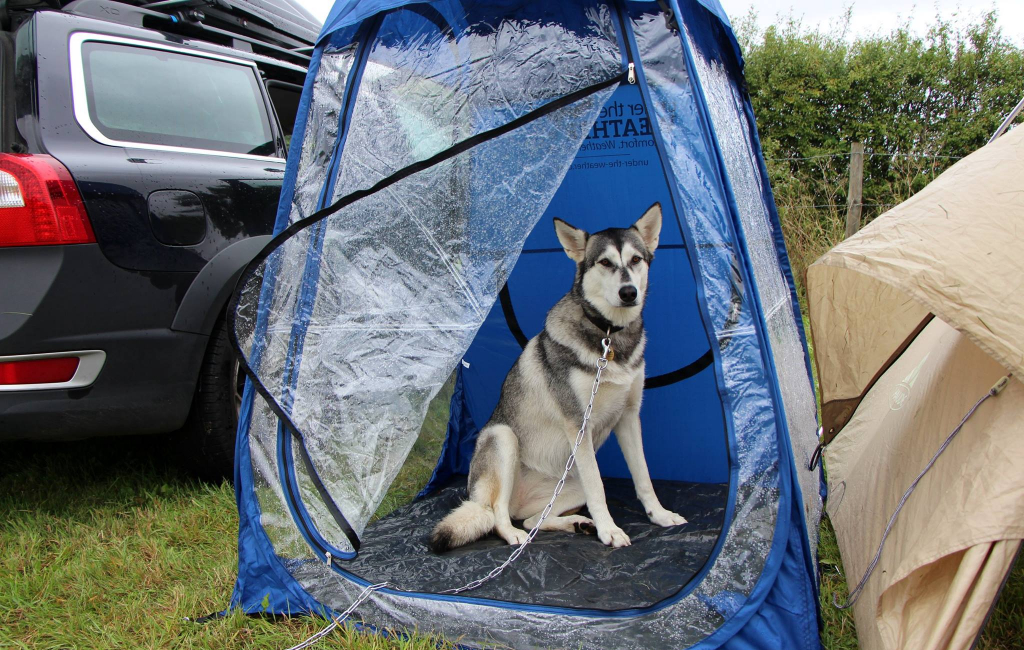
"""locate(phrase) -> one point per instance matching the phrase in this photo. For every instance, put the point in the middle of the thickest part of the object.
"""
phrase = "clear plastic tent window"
(435, 138)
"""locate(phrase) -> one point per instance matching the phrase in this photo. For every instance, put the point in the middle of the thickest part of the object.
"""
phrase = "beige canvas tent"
(914, 319)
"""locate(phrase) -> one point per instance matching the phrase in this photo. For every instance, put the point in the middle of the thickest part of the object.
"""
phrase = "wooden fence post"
(855, 198)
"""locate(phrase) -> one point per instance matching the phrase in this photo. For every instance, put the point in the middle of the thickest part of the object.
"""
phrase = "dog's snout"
(627, 294)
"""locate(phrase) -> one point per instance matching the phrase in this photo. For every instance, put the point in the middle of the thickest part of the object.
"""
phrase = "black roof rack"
(281, 29)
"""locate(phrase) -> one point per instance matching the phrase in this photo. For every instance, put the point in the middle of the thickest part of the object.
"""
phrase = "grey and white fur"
(521, 452)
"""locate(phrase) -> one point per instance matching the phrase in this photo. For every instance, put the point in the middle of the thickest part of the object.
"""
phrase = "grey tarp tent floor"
(558, 569)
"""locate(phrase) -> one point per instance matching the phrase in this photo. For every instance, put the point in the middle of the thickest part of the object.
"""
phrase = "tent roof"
(350, 12)
(955, 250)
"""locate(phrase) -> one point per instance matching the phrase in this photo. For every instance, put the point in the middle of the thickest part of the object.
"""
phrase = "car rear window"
(148, 96)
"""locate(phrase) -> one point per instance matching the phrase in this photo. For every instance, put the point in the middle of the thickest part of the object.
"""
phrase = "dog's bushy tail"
(467, 523)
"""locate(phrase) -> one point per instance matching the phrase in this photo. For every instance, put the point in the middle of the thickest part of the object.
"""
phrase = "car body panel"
(174, 228)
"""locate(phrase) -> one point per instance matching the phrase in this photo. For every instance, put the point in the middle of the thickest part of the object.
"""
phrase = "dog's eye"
(636, 259)
(606, 264)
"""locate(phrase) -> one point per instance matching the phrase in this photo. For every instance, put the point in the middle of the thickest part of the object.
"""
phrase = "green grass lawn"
(103, 544)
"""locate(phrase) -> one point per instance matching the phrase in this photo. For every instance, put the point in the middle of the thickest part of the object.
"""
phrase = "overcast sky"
(873, 16)
(869, 16)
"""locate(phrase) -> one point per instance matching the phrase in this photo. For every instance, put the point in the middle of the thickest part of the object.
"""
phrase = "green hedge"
(918, 103)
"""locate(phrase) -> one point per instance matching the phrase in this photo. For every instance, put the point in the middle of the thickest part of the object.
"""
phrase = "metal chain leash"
(339, 620)
(602, 363)
(996, 389)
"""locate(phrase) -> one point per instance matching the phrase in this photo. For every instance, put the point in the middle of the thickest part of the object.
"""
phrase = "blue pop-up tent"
(414, 250)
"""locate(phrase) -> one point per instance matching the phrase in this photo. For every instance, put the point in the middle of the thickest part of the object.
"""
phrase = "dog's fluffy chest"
(612, 399)
(547, 395)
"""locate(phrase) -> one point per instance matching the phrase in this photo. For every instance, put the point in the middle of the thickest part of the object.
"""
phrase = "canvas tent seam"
(840, 423)
(629, 42)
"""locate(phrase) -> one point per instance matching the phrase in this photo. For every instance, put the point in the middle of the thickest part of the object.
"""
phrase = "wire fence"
(847, 154)
(834, 177)
(840, 206)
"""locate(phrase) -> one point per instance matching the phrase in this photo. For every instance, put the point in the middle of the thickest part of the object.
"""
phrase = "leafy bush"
(918, 103)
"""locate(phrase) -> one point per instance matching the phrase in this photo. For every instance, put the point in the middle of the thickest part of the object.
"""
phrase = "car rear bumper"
(71, 299)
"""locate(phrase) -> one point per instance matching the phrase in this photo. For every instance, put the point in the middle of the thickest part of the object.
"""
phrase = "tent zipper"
(289, 483)
(630, 66)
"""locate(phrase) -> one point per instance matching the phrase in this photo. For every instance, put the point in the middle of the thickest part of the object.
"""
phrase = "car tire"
(213, 419)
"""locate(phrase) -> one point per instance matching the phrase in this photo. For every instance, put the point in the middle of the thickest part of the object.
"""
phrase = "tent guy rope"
(856, 592)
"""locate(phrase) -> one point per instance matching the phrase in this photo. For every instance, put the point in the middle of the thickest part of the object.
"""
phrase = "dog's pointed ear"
(649, 226)
(573, 240)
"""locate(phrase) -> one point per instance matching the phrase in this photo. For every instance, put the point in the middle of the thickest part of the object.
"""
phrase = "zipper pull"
(631, 74)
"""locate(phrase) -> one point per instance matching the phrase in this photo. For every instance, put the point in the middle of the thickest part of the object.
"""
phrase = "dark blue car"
(141, 157)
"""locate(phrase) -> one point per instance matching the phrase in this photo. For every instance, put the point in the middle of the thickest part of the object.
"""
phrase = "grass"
(105, 545)
(419, 467)
(838, 631)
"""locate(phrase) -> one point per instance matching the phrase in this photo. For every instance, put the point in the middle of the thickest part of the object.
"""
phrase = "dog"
(521, 452)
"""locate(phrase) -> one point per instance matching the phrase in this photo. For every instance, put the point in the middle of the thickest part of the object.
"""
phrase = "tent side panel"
(746, 390)
(741, 158)
(266, 532)
(788, 617)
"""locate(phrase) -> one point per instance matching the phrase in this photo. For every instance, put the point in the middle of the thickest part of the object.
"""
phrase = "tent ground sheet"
(558, 569)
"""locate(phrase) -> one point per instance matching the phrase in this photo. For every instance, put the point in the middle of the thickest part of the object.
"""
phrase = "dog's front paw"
(515, 536)
(666, 518)
(613, 536)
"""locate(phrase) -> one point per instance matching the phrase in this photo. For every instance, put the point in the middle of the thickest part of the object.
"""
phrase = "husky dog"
(521, 453)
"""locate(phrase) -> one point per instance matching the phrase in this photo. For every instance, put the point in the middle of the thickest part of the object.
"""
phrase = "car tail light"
(39, 203)
(55, 370)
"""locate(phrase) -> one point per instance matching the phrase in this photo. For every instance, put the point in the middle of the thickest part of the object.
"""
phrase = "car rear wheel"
(210, 430)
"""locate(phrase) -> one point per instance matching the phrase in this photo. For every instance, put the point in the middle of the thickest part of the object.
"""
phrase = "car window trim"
(80, 99)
